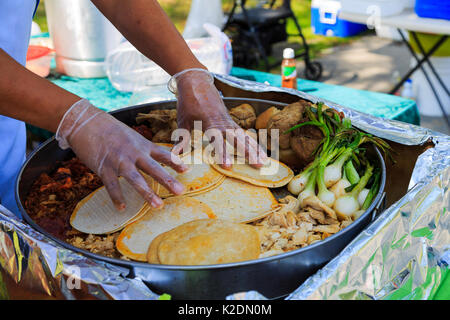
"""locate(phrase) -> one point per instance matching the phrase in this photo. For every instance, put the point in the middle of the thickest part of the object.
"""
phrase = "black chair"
(255, 30)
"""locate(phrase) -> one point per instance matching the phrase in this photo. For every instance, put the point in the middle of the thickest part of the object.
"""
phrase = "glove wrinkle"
(199, 100)
(112, 149)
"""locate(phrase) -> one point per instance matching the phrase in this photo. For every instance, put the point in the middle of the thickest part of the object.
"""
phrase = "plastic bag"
(129, 70)
(203, 11)
(224, 42)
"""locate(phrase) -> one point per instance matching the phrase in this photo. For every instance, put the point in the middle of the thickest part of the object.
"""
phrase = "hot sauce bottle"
(289, 69)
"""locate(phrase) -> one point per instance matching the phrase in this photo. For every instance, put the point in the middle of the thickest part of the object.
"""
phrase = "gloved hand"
(112, 149)
(199, 100)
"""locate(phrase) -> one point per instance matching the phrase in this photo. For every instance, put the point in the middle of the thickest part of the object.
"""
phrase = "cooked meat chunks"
(244, 115)
(159, 119)
(304, 148)
(284, 120)
(263, 119)
(289, 157)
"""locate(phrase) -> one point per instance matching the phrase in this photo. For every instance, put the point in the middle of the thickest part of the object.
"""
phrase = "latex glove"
(199, 100)
(112, 149)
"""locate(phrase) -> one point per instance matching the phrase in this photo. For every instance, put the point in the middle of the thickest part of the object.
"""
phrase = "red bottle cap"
(36, 52)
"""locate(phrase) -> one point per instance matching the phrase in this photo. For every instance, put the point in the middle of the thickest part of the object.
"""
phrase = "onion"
(362, 196)
(310, 188)
(305, 194)
(325, 195)
(339, 188)
(298, 183)
(347, 205)
(333, 173)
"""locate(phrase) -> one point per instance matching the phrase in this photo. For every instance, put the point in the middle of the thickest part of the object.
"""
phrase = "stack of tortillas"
(96, 213)
(272, 174)
(134, 240)
(199, 178)
(238, 201)
(205, 242)
(234, 197)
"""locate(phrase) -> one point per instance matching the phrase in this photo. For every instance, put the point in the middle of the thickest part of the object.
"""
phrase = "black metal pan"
(273, 277)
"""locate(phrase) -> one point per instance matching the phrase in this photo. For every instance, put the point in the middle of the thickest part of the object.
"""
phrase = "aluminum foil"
(406, 250)
(400, 255)
(39, 268)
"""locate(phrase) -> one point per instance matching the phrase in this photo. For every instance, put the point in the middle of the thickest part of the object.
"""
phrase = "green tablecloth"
(98, 91)
(377, 104)
(101, 93)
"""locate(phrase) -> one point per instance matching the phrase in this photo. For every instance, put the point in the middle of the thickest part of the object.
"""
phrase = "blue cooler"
(325, 20)
(437, 9)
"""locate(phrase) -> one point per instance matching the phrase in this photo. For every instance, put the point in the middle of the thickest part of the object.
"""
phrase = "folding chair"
(258, 28)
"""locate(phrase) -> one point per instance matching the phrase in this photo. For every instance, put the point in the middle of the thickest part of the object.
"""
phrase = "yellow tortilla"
(200, 177)
(205, 242)
(96, 214)
(273, 174)
(238, 201)
(167, 146)
(135, 238)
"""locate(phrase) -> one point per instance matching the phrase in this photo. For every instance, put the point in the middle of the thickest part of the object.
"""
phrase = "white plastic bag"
(225, 44)
(203, 11)
(129, 70)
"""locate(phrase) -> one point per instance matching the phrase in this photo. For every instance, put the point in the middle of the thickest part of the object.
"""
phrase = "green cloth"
(102, 94)
(374, 103)
(98, 91)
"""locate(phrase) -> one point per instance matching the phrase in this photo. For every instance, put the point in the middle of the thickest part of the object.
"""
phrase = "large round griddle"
(274, 277)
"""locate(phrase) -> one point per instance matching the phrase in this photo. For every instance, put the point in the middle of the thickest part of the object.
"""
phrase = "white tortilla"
(96, 214)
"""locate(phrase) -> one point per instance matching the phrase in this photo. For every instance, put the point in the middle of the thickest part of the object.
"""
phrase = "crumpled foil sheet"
(405, 251)
(408, 245)
(43, 268)
(402, 255)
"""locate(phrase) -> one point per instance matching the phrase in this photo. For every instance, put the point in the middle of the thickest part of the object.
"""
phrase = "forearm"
(145, 24)
(30, 98)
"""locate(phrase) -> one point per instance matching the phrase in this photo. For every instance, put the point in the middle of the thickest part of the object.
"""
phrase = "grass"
(178, 11)
(40, 18)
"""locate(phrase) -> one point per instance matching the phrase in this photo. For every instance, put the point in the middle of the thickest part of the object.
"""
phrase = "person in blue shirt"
(104, 144)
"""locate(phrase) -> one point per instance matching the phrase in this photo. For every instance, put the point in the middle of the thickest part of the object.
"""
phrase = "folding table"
(410, 21)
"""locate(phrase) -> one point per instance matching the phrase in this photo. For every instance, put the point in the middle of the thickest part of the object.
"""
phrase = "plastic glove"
(199, 100)
(112, 149)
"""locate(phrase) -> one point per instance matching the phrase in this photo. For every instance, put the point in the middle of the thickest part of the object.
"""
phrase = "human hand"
(112, 149)
(199, 100)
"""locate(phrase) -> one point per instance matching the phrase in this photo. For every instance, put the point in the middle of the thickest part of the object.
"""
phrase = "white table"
(410, 21)
(407, 20)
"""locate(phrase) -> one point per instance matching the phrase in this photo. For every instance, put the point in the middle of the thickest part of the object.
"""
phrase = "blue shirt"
(15, 27)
